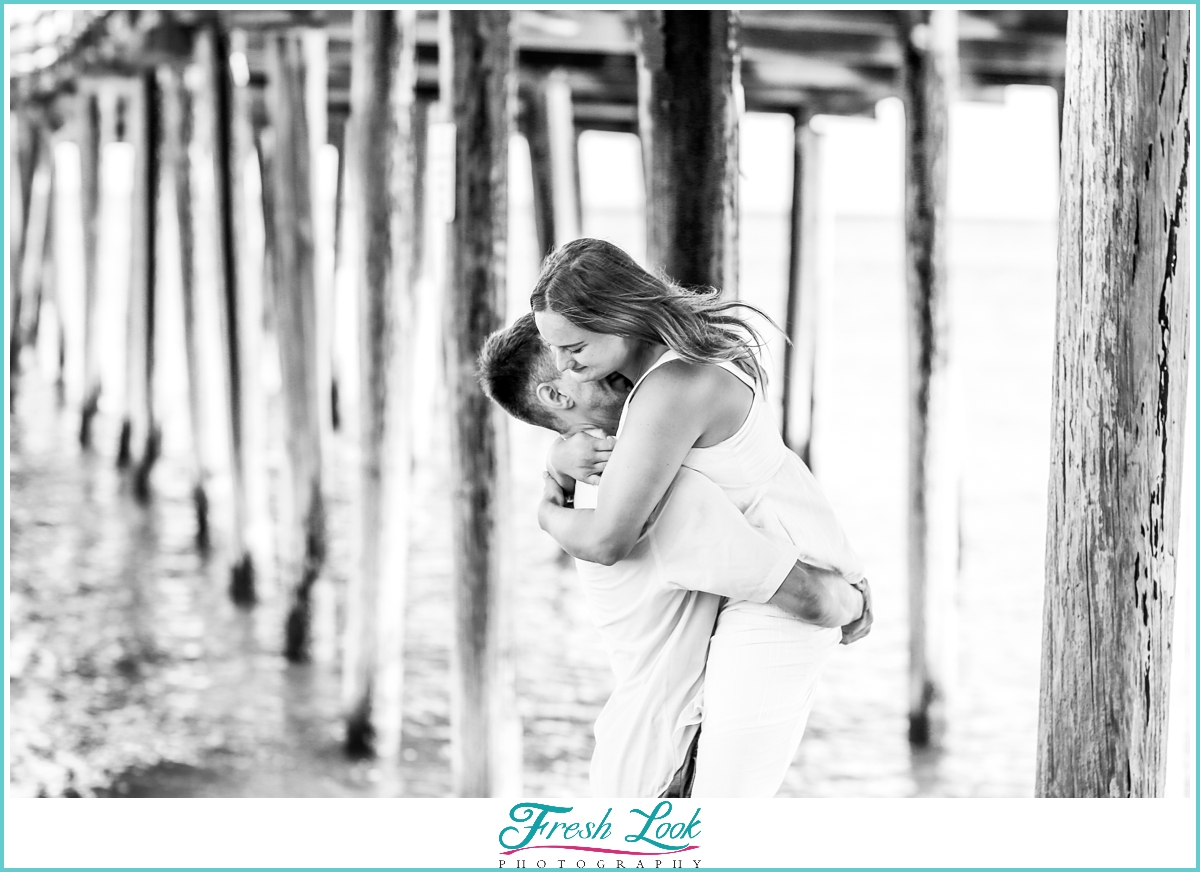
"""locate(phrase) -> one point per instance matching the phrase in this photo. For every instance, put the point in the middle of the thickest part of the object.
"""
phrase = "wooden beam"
(345, 289)
(34, 244)
(929, 76)
(26, 150)
(1120, 391)
(48, 285)
(688, 80)
(133, 419)
(486, 734)
(384, 164)
(316, 110)
(535, 129)
(805, 274)
(146, 130)
(214, 117)
(89, 207)
(249, 228)
(177, 129)
(296, 316)
(549, 128)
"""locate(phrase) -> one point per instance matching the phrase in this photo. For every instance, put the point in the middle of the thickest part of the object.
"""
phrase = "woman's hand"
(582, 456)
(552, 495)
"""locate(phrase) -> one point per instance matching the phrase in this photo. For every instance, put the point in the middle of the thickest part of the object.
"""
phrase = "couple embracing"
(716, 573)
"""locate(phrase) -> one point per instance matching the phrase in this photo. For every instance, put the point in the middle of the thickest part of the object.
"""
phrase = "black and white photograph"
(615, 403)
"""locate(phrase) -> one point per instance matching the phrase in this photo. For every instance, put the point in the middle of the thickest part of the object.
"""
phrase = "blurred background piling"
(267, 538)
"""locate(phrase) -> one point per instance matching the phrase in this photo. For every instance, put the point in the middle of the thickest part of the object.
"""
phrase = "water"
(132, 673)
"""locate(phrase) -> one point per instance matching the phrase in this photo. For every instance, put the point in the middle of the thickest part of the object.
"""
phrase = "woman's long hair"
(598, 287)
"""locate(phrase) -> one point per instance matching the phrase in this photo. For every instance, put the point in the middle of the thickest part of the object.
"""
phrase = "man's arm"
(701, 541)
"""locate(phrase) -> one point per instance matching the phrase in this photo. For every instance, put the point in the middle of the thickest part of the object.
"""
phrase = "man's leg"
(681, 785)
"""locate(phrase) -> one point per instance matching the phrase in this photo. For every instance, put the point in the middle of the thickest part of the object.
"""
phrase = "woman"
(696, 402)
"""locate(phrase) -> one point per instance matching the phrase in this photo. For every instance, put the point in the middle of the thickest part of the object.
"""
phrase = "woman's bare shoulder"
(678, 386)
(681, 380)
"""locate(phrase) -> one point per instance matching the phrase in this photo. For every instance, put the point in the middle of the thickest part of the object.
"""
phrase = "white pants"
(759, 686)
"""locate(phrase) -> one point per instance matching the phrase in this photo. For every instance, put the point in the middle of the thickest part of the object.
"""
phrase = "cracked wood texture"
(689, 79)
(486, 737)
(930, 71)
(384, 108)
(1120, 384)
(294, 272)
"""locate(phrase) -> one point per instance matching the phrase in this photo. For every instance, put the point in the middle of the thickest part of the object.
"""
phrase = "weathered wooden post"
(316, 110)
(145, 135)
(344, 380)
(549, 127)
(26, 149)
(486, 731)
(177, 128)
(689, 86)
(214, 128)
(248, 226)
(930, 48)
(128, 110)
(89, 124)
(295, 311)
(1120, 388)
(383, 104)
(804, 289)
(420, 136)
(338, 125)
(46, 283)
(35, 242)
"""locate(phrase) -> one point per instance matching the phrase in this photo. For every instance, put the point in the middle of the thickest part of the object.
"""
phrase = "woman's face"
(588, 356)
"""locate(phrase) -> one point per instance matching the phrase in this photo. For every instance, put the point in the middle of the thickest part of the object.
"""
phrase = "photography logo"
(639, 840)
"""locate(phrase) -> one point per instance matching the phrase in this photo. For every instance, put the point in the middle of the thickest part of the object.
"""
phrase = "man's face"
(597, 402)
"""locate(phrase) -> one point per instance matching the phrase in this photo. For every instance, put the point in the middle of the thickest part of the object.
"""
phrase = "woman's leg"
(759, 687)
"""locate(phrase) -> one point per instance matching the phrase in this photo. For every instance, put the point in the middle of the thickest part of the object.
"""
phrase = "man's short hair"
(511, 365)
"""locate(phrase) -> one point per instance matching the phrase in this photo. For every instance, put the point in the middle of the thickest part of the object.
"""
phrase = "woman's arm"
(676, 405)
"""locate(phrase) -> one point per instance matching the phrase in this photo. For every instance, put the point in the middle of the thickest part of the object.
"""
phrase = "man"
(657, 608)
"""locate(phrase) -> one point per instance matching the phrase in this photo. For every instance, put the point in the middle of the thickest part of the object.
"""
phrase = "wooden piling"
(689, 79)
(26, 148)
(177, 128)
(1120, 389)
(295, 310)
(128, 109)
(249, 228)
(420, 136)
(485, 730)
(47, 281)
(337, 138)
(316, 109)
(804, 289)
(929, 41)
(215, 100)
(88, 115)
(28, 166)
(42, 280)
(384, 105)
(35, 243)
(16, 218)
(145, 128)
(549, 128)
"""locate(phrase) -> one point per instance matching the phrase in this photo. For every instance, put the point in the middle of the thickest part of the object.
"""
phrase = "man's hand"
(582, 456)
(856, 630)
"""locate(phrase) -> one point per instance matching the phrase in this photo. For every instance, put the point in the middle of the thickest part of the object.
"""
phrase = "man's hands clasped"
(857, 629)
(582, 456)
